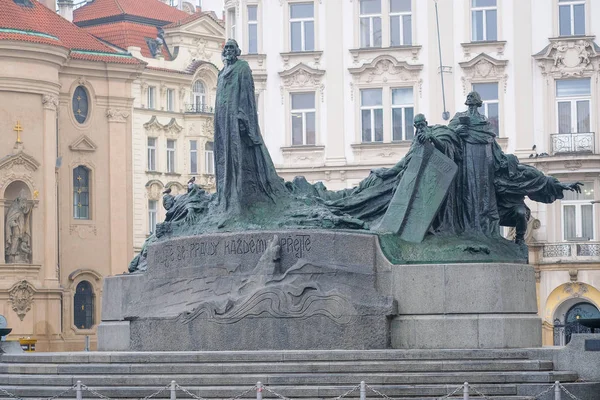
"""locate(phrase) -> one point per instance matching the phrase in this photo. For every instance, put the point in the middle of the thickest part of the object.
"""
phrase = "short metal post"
(363, 390)
(557, 390)
(78, 390)
(466, 391)
(87, 343)
(173, 390)
(259, 390)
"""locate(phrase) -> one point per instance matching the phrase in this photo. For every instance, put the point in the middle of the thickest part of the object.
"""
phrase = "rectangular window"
(170, 156)
(252, 29)
(573, 105)
(193, 156)
(484, 20)
(403, 112)
(400, 22)
(571, 17)
(302, 26)
(209, 158)
(578, 214)
(152, 211)
(170, 99)
(490, 107)
(303, 119)
(371, 110)
(370, 23)
(231, 20)
(151, 154)
(151, 94)
(81, 193)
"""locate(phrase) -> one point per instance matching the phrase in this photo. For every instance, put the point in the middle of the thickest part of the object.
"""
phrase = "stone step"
(280, 367)
(496, 377)
(264, 356)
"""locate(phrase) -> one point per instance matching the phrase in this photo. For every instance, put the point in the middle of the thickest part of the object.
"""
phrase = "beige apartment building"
(339, 81)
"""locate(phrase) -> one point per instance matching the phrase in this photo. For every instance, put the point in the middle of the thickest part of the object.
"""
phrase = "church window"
(81, 193)
(302, 26)
(252, 29)
(400, 22)
(490, 108)
(80, 104)
(403, 112)
(303, 119)
(209, 157)
(198, 96)
(578, 213)
(83, 312)
(370, 23)
(571, 17)
(484, 20)
(371, 110)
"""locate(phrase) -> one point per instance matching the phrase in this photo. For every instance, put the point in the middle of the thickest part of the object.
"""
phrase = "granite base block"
(114, 336)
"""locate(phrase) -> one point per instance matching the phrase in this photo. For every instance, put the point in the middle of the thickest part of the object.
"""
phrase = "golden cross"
(18, 128)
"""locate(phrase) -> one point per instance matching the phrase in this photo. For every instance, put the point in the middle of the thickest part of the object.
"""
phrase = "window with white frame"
(170, 156)
(152, 213)
(302, 26)
(170, 99)
(400, 22)
(303, 119)
(403, 112)
(573, 105)
(198, 96)
(370, 23)
(252, 29)
(193, 156)
(231, 19)
(151, 97)
(151, 154)
(571, 17)
(578, 214)
(209, 158)
(371, 111)
(491, 104)
(484, 20)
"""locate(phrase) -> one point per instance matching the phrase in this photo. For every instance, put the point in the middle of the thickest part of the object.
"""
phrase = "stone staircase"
(400, 374)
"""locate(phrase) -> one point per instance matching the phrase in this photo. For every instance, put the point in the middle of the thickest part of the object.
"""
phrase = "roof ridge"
(119, 5)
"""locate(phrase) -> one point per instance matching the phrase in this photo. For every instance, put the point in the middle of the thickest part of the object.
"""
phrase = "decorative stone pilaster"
(50, 102)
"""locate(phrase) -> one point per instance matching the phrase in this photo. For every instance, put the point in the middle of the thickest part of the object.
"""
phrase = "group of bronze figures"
(484, 189)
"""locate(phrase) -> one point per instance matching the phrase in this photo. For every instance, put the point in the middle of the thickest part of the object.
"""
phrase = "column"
(48, 201)
(119, 166)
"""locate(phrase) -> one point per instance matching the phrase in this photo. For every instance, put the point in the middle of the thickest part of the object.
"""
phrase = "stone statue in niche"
(17, 231)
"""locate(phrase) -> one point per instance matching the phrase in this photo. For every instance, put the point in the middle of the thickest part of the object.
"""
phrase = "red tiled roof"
(124, 34)
(175, 71)
(38, 24)
(152, 9)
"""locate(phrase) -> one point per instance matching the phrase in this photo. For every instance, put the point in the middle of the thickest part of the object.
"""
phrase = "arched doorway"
(563, 330)
(83, 310)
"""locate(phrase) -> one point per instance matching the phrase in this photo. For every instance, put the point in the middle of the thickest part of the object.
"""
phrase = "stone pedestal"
(302, 289)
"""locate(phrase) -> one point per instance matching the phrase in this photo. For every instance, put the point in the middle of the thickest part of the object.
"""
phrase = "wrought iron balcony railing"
(570, 252)
(581, 142)
(199, 109)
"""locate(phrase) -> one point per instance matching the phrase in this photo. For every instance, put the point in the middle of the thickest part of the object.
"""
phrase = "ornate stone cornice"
(11, 162)
(117, 115)
(50, 102)
(483, 68)
(21, 298)
(301, 76)
(569, 57)
(385, 68)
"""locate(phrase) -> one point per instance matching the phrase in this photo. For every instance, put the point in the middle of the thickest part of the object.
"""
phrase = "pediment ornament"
(483, 68)
(83, 143)
(302, 76)
(569, 57)
(386, 68)
(117, 115)
(21, 298)
(153, 125)
(172, 127)
(20, 160)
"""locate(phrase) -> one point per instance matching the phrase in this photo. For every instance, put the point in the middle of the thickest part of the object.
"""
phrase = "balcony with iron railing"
(573, 143)
(567, 252)
(193, 108)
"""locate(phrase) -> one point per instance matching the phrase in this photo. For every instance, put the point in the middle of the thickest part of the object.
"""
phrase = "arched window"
(563, 332)
(83, 306)
(81, 193)
(198, 96)
(80, 104)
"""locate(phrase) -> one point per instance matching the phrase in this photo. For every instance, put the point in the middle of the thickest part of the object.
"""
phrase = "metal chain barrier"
(377, 392)
(184, 390)
(539, 395)
(451, 394)
(9, 394)
(56, 396)
(95, 393)
(168, 387)
(275, 393)
(564, 389)
(479, 393)
(239, 396)
(354, 389)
